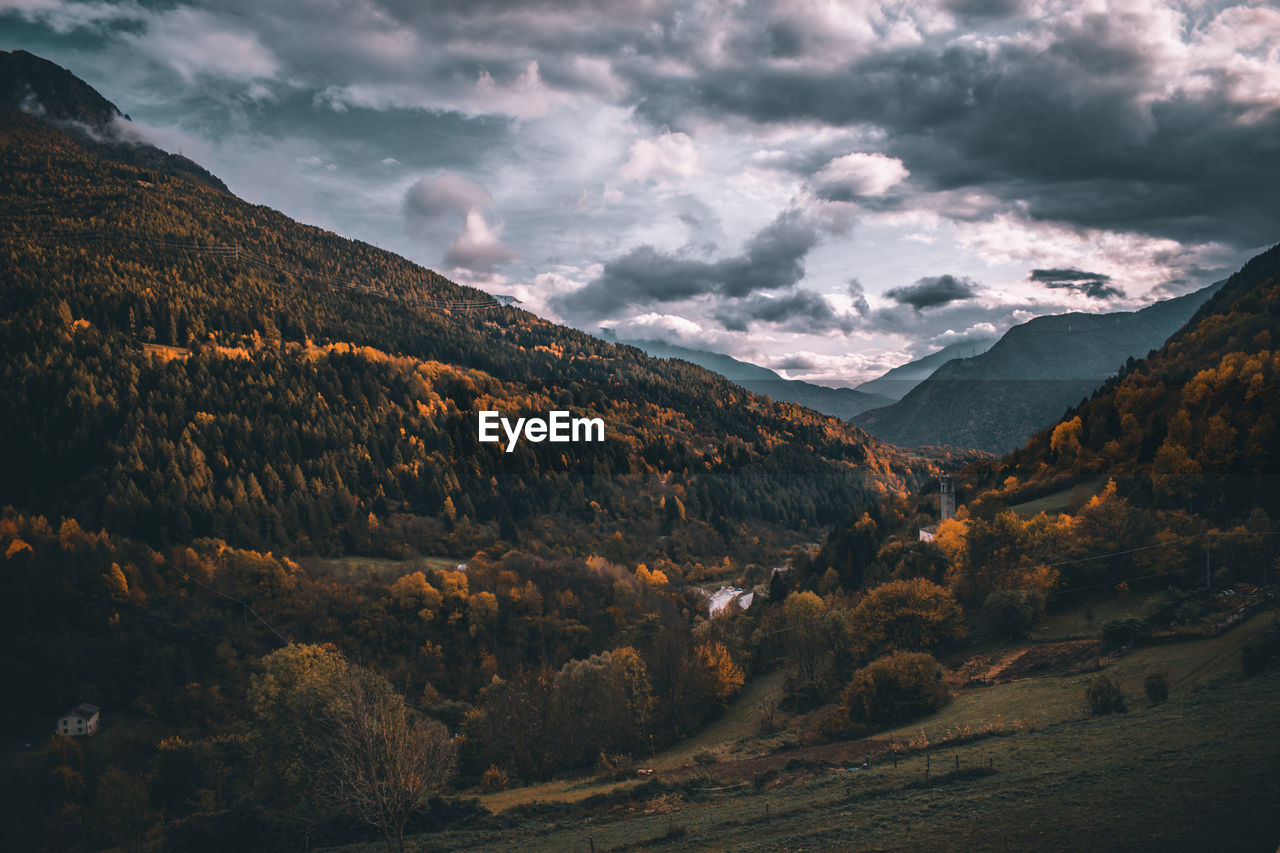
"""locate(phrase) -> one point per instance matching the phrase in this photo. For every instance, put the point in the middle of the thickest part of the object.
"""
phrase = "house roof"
(84, 709)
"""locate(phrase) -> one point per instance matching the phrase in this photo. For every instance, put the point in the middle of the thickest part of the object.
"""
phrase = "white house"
(80, 720)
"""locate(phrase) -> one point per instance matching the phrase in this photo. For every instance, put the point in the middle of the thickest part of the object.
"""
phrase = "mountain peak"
(46, 91)
(37, 86)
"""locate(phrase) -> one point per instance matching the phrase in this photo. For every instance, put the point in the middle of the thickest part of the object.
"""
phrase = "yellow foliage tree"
(1065, 440)
(414, 592)
(724, 677)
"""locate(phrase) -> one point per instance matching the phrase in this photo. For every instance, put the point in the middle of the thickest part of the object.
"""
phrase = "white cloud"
(977, 330)
(478, 248)
(432, 203)
(522, 96)
(836, 370)
(194, 42)
(64, 17)
(1137, 263)
(671, 155)
(672, 328)
(859, 174)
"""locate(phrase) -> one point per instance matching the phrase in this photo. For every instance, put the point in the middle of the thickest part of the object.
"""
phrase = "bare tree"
(378, 761)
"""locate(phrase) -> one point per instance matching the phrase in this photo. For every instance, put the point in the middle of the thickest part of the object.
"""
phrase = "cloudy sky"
(826, 188)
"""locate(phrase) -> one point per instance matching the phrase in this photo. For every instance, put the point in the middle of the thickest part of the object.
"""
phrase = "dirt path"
(843, 754)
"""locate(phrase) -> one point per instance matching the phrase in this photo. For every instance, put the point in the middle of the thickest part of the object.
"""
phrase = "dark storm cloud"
(644, 277)
(774, 257)
(447, 193)
(795, 361)
(1078, 132)
(1194, 278)
(797, 310)
(859, 294)
(984, 8)
(1143, 119)
(1091, 284)
(934, 291)
(1070, 117)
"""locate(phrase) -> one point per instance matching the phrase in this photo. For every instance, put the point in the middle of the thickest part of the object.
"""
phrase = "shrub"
(1013, 611)
(763, 779)
(1103, 696)
(1157, 687)
(1164, 607)
(611, 764)
(827, 725)
(894, 689)
(494, 779)
(771, 719)
(1121, 632)
(907, 615)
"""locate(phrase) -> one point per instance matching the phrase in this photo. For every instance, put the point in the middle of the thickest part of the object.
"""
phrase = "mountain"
(841, 403)
(897, 382)
(1191, 426)
(182, 364)
(995, 401)
(36, 86)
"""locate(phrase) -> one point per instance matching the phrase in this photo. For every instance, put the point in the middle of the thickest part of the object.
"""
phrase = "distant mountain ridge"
(899, 381)
(997, 400)
(841, 403)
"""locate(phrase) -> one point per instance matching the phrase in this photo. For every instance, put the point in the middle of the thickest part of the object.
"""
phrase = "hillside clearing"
(356, 567)
(1066, 500)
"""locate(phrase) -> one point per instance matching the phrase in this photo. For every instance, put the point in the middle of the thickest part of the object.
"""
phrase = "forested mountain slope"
(178, 363)
(995, 401)
(1192, 426)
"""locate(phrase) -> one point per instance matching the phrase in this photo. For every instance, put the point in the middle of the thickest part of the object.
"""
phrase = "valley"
(307, 546)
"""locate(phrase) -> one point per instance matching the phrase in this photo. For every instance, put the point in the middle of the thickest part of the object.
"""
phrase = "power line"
(1092, 558)
(241, 602)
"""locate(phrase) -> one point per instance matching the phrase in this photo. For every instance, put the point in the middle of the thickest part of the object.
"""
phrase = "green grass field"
(381, 567)
(1064, 501)
(1198, 772)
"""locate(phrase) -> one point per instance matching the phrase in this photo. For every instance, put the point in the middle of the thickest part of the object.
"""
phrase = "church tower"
(948, 497)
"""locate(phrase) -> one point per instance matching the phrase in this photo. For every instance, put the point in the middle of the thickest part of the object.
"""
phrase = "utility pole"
(1206, 561)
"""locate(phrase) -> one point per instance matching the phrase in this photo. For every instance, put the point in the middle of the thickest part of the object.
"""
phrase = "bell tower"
(948, 497)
